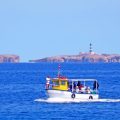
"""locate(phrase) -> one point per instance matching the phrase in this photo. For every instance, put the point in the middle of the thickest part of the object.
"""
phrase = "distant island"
(83, 58)
(89, 57)
(9, 59)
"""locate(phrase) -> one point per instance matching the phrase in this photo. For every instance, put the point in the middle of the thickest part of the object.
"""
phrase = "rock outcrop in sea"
(9, 58)
(83, 58)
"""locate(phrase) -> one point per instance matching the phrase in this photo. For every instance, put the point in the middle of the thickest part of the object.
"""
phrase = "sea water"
(23, 97)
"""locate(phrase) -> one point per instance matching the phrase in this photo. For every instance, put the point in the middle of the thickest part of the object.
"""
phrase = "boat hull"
(70, 95)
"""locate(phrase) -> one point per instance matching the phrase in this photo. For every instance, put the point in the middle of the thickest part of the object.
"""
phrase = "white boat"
(81, 89)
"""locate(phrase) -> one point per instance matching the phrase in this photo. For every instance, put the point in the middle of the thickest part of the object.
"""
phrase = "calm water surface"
(21, 84)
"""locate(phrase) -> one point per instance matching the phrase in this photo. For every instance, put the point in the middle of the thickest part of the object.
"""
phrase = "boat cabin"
(60, 84)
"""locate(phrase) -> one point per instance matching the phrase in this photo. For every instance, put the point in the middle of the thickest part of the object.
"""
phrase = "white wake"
(60, 100)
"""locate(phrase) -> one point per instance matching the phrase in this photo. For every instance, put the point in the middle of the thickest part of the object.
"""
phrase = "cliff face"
(83, 58)
(9, 59)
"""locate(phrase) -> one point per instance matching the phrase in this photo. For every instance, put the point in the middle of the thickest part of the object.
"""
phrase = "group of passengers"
(80, 88)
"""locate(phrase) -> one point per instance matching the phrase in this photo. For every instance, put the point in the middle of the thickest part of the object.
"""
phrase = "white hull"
(68, 95)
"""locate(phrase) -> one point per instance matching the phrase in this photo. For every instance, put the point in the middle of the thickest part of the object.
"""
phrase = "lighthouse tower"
(90, 49)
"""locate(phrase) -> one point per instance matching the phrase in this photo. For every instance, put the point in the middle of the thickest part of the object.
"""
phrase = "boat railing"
(84, 89)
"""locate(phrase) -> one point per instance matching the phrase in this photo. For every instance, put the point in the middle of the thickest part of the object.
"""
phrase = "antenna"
(58, 70)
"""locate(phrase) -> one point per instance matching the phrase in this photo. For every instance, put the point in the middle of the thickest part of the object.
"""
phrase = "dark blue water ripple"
(21, 84)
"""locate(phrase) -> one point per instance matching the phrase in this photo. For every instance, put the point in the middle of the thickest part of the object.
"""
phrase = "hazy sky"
(38, 28)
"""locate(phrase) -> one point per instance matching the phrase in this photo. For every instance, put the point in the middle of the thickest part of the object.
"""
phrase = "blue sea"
(21, 85)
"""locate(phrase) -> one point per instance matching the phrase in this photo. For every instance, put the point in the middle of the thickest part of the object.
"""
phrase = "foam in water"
(59, 100)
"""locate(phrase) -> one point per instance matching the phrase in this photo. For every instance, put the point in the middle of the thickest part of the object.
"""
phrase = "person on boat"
(79, 85)
(47, 82)
(74, 86)
(70, 87)
(95, 85)
(88, 90)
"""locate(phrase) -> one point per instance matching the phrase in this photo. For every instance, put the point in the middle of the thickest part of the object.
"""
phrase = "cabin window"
(56, 83)
(62, 82)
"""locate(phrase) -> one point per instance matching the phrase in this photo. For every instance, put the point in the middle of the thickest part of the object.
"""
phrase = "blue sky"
(38, 28)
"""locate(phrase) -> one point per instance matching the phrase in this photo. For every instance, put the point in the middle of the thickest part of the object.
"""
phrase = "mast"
(58, 70)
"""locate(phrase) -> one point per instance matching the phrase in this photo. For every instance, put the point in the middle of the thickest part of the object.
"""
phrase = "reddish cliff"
(9, 59)
(83, 58)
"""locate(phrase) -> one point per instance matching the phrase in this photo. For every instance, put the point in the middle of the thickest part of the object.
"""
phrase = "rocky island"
(9, 58)
(89, 57)
(82, 58)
